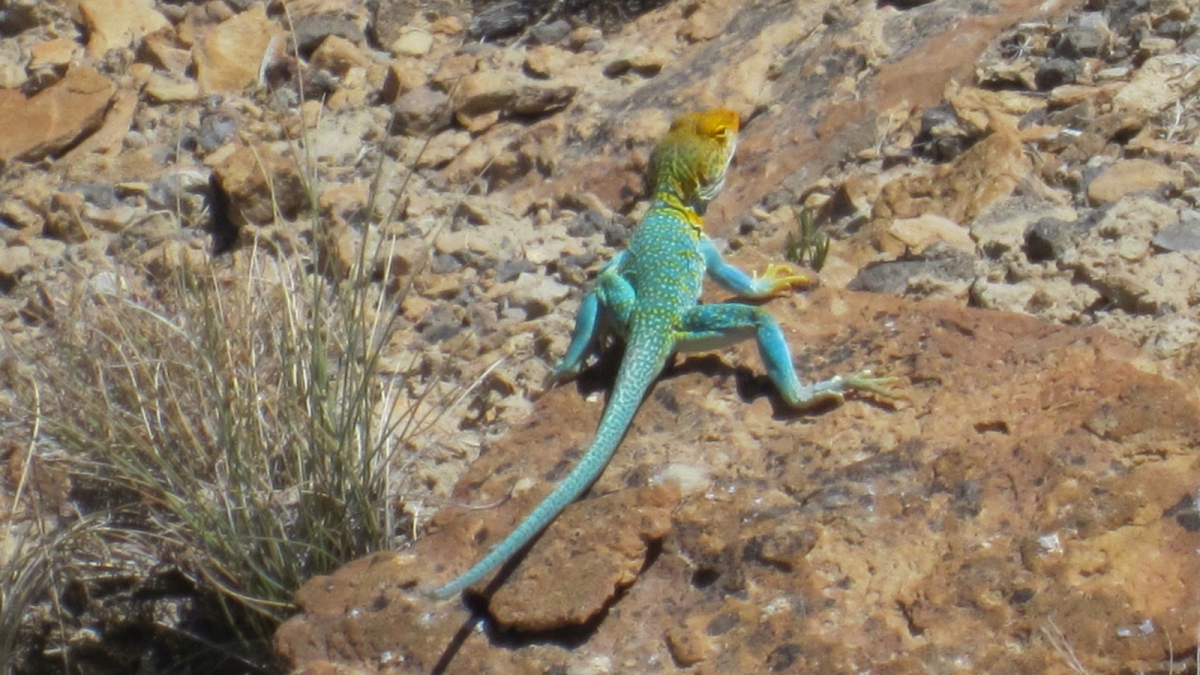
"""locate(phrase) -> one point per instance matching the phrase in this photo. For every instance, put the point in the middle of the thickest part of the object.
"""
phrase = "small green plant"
(808, 245)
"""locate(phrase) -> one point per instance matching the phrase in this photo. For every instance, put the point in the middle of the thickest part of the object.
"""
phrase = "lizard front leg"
(715, 326)
(778, 279)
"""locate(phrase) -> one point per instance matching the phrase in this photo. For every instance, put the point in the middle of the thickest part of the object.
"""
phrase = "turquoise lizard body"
(649, 296)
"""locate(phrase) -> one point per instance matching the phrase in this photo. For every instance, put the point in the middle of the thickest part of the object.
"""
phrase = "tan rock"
(1155, 46)
(543, 61)
(412, 42)
(483, 97)
(421, 111)
(378, 76)
(167, 89)
(65, 220)
(47, 249)
(403, 76)
(140, 73)
(443, 148)
(498, 153)
(609, 533)
(167, 258)
(352, 93)
(641, 61)
(258, 179)
(708, 21)
(1067, 95)
(310, 113)
(338, 55)
(1160, 82)
(118, 24)
(976, 106)
(688, 647)
(215, 11)
(306, 8)
(911, 236)
(14, 261)
(165, 54)
(1128, 176)
(1117, 258)
(484, 92)
(229, 56)
(399, 256)
(962, 189)
(447, 25)
(453, 69)
(59, 52)
(20, 215)
(342, 202)
(340, 249)
(54, 117)
(111, 220)
(12, 65)
(583, 36)
(110, 137)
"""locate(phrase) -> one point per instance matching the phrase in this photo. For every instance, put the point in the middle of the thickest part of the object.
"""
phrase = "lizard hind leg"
(606, 309)
(719, 325)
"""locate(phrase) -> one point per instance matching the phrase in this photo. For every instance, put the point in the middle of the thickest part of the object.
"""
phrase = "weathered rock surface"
(230, 55)
(115, 24)
(1130, 176)
(1036, 494)
(55, 117)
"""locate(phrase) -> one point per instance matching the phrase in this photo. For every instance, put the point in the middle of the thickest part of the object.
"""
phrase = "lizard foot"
(561, 373)
(865, 381)
(835, 389)
(780, 278)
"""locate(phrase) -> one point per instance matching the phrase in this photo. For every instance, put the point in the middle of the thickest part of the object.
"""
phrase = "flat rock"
(55, 117)
(230, 55)
(412, 42)
(964, 188)
(167, 89)
(544, 61)
(607, 538)
(118, 24)
(905, 236)
(338, 55)
(58, 52)
(1036, 483)
(421, 111)
(14, 261)
(948, 274)
(1160, 82)
(1183, 236)
(1128, 176)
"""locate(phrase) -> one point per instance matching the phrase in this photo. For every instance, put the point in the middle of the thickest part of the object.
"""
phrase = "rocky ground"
(1012, 193)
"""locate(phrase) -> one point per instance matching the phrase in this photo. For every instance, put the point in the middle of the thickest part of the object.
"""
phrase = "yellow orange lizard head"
(691, 161)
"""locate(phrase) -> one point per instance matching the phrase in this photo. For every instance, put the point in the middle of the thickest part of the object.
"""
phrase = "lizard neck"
(668, 202)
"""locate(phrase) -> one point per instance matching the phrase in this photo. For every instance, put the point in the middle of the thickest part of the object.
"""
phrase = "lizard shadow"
(749, 383)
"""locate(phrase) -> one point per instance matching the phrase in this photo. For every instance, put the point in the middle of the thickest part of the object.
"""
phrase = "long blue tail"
(644, 359)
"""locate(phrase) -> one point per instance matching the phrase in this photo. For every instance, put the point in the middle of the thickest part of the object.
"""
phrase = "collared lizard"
(649, 295)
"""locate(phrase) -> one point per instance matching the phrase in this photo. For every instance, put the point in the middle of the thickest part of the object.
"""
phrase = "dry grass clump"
(229, 425)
